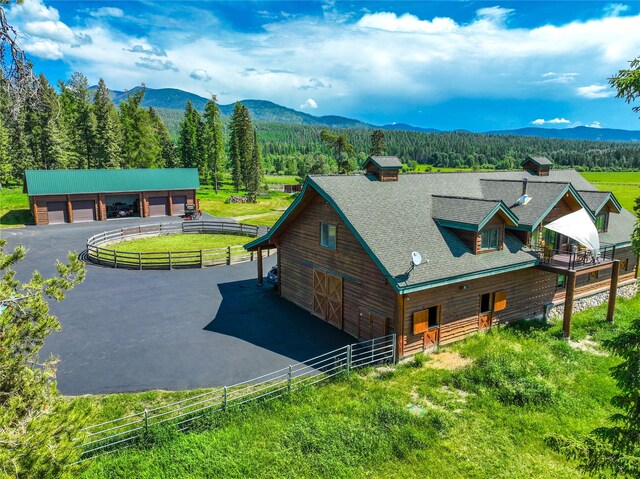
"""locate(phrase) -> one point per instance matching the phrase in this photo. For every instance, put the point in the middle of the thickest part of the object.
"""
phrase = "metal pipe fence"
(123, 432)
(98, 251)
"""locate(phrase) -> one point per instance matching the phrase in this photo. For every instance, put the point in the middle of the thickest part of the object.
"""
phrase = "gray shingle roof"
(385, 162)
(543, 196)
(540, 160)
(595, 199)
(392, 219)
(458, 209)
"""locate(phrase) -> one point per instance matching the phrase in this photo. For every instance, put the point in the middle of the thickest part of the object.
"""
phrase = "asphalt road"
(126, 330)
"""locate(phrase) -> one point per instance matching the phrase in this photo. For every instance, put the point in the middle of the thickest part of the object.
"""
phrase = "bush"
(419, 360)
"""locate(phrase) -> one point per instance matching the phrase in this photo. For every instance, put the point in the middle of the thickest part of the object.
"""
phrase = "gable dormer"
(479, 223)
(537, 165)
(383, 168)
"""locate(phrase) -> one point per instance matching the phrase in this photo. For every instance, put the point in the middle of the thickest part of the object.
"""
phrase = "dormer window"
(490, 239)
(328, 235)
(601, 223)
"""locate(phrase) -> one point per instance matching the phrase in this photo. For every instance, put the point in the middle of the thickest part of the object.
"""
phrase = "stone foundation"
(625, 291)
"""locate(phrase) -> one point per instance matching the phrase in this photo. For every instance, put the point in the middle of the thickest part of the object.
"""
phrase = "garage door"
(158, 206)
(57, 212)
(83, 211)
(177, 203)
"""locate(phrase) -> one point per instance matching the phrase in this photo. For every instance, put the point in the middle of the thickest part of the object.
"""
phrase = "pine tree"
(255, 170)
(213, 141)
(140, 146)
(83, 122)
(240, 145)
(168, 153)
(190, 139)
(107, 131)
(342, 149)
(378, 145)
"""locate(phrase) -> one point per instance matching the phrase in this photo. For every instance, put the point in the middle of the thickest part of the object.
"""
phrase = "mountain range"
(170, 102)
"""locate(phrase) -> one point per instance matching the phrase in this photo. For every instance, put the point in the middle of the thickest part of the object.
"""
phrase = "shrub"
(419, 360)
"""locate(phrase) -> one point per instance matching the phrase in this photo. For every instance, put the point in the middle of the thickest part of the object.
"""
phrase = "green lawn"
(180, 242)
(14, 208)
(485, 419)
(625, 185)
(282, 180)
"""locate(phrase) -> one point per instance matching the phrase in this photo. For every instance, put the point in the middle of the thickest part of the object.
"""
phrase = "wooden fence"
(98, 250)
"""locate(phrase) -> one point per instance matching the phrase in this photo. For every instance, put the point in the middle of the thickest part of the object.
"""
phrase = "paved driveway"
(128, 330)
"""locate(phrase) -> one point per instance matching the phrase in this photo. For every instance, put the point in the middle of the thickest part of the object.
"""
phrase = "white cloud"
(594, 124)
(554, 121)
(494, 13)
(156, 51)
(595, 91)
(156, 64)
(45, 49)
(200, 75)
(310, 103)
(107, 12)
(615, 9)
(406, 23)
(33, 10)
(561, 78)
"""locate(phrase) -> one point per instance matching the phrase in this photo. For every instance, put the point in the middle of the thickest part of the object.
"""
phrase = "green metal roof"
(66, 182)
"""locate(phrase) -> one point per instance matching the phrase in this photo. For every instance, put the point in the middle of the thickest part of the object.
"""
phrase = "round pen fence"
(98, 250)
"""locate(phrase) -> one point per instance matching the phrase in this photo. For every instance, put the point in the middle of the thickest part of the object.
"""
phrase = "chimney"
(525, 182)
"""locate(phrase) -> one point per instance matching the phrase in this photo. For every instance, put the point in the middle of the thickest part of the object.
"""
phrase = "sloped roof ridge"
(509, 180)
(466, 198)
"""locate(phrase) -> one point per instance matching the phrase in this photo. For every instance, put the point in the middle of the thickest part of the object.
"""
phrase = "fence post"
(140, 261)
(224, 400)
(289, 379)
(228, 255)
(252, 256)
(146, 420)
(201, 260)
(115, 259)
(393, 349)
(348, 359)
(170, 265)
(373, 348)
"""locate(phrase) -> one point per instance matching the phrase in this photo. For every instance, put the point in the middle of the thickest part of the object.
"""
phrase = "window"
(562, 281)
(328, 235)
(485, 303)
(624, 264)
(601, 222)
(426, 319)
(490, 239)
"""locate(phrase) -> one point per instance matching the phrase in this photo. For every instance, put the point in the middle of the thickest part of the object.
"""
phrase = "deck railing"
(575, 258)
(98, 250)
(123, 432)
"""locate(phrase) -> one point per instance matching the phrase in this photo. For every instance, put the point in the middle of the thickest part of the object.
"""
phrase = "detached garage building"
(74, 196)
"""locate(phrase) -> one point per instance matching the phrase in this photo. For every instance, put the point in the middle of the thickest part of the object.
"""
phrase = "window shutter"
(420, 321)
(500, 301)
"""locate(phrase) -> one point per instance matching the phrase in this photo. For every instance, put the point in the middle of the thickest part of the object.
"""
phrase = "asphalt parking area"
(125, 330)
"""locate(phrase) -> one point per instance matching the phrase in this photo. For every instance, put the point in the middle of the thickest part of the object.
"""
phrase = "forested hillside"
(75, 126)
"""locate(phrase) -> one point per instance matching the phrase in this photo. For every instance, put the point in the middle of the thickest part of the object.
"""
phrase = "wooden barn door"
(334, 300)
(327, 297)
(319, 294)
(370, 325)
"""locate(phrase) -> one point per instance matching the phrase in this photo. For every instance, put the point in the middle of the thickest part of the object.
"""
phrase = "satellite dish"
(416, 258)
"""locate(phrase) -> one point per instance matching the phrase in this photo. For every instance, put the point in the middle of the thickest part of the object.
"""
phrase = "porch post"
(260, 274)
(613, 289)
(399, 325)
(568, 303)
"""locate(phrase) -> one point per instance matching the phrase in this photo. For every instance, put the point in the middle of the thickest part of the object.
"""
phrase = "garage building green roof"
(67, 182)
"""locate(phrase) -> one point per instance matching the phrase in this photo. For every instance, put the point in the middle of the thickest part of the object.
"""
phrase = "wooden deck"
(561, 263)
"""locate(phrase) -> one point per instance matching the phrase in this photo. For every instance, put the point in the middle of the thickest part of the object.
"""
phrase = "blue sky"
(449, 65)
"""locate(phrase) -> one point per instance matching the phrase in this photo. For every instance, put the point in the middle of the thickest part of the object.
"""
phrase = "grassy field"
(14, 208)
(625, 185)
(180, 242)
(480, 409)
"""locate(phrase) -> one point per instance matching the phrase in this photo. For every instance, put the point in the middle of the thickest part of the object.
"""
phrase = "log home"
(346, 250)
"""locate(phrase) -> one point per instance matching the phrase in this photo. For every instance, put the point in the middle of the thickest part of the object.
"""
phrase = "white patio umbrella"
(578, 226)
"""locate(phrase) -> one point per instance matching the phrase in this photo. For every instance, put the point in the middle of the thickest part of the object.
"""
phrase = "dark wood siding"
(527, 291)
(364, 286)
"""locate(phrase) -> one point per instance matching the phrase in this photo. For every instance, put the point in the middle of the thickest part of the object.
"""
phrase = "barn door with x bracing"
(327, 297)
